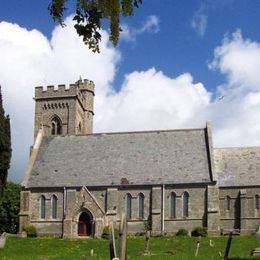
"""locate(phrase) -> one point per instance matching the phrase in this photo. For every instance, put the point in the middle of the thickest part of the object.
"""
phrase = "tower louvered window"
(56, 126)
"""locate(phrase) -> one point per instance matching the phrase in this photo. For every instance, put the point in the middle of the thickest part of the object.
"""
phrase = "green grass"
(160, 248)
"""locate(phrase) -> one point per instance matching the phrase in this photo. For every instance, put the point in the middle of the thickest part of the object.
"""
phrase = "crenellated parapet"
(64, 91)
(59, 91)
(86, 85)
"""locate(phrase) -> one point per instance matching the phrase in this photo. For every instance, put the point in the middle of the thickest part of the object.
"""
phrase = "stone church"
(78, 181)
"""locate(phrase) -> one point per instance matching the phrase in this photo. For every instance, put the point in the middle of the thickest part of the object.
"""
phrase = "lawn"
(160, 248)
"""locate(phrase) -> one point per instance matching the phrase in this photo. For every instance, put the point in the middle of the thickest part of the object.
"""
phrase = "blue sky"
(176, 48)
(178, 64)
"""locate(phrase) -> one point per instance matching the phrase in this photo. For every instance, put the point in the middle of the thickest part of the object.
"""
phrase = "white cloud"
(239, 60)
(150, 25)
(147, 99)
(151, 100)
(199, 22)
(237, 115)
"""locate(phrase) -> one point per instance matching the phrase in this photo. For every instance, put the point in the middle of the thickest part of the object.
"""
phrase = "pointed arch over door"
(85, 224)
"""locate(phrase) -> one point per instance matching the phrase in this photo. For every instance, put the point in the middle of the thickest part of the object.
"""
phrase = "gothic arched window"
(54, 201)
(257, 201)
(173, 205)
(42, 206)
(128, 206)
(185, 204)
(228, 199)
(141, 205)
(56, 126)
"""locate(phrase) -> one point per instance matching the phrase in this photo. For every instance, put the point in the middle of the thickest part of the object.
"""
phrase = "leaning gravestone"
(228, 246)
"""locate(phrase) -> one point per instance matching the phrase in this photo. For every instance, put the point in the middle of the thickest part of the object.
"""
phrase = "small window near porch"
(42, 207)
(128, 206)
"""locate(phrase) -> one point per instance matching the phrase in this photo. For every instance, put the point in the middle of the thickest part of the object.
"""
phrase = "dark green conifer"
(5, 145)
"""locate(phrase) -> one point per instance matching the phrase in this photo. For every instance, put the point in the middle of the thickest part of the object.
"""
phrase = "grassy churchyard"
(160, 248)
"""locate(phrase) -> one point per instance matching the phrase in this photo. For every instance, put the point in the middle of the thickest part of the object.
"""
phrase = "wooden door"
(84, 224)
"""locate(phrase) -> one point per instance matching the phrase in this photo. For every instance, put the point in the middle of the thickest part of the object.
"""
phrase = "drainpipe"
(64, 208)
(163, 206)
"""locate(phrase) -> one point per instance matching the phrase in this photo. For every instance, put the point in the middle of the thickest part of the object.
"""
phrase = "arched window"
(56, 126)
(228, 199)
(128, 206)
(185, 204)
(257, 201)
(54, 201)
(141, 205)
(173, 205)
(42, 206)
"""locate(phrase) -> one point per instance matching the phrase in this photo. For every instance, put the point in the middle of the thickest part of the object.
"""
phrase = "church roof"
(237, 166)
(152, 157)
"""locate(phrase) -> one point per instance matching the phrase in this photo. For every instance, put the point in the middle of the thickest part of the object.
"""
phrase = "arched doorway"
(85, 224)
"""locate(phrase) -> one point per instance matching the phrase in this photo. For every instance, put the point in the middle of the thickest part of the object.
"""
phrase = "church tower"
(65, 111)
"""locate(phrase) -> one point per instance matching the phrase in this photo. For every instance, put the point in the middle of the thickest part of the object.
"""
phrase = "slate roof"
(237, 166)
(152, 157)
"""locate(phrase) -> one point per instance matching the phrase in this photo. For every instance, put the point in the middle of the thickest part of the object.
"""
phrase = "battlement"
(86, 85)
(63, 91)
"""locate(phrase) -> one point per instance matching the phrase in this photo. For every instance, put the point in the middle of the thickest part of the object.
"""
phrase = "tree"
(5, 145)
(9, 208)
(90, 13)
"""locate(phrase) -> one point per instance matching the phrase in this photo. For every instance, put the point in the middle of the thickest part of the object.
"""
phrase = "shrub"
(147, 225)
(200, 232)
(105, 234)
(30, 230)
(182, 232)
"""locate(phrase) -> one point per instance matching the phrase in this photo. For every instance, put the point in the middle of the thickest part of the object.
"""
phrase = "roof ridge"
(133, 132)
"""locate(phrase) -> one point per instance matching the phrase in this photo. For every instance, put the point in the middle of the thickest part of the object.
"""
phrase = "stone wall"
(238, 209)
(106, 205)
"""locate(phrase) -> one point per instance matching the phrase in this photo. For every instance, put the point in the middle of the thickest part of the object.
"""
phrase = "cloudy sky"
(178, 64)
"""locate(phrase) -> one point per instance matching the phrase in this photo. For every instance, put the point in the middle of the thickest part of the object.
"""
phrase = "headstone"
(147, 243)
(256, 252)
(258, 231)
(3, 240)
(228, 246)
(23, 234)
(123, 234)
(111, 246)
(197, 248)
